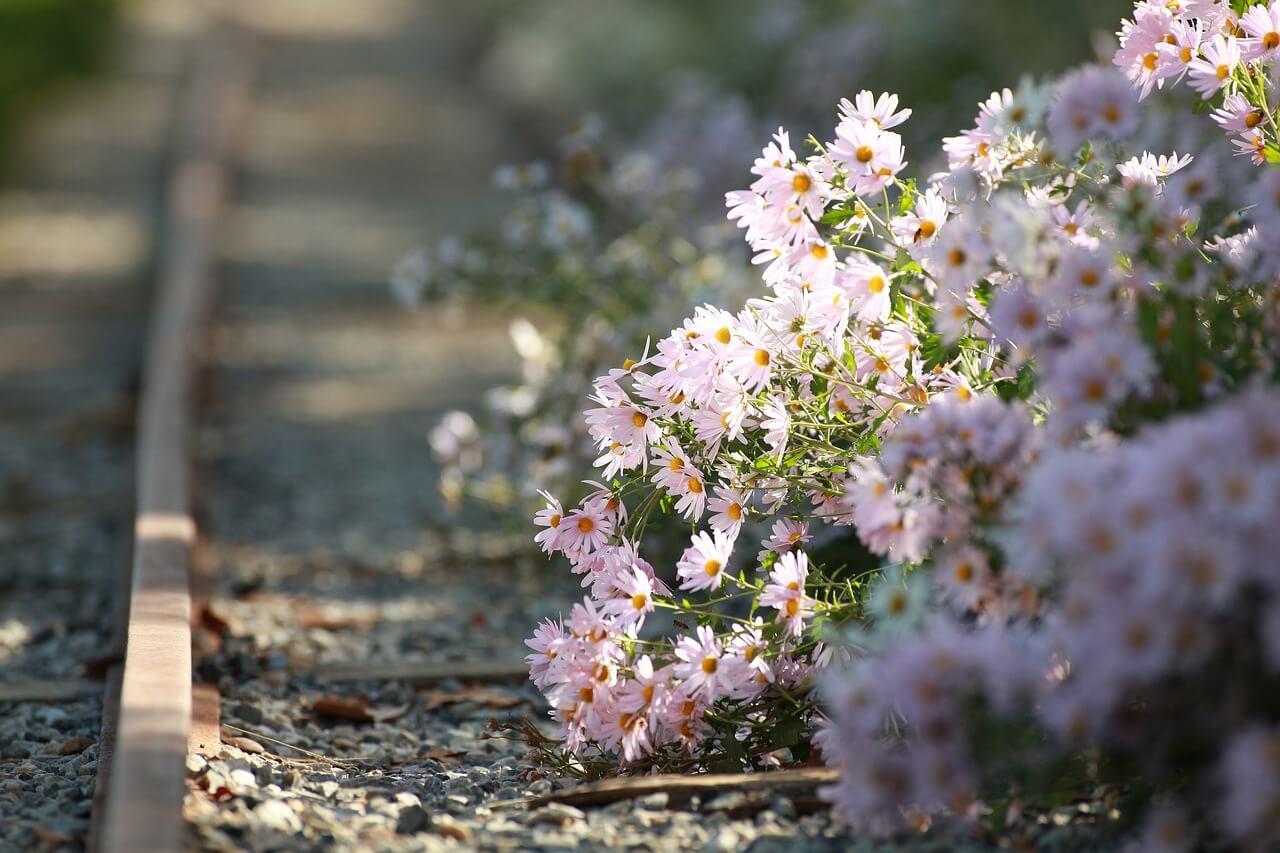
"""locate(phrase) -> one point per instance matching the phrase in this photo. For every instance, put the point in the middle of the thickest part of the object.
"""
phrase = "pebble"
(557, 814)
(277, 815)
(412, 819)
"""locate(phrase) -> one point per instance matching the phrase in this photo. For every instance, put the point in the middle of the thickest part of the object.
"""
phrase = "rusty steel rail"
(147, 777)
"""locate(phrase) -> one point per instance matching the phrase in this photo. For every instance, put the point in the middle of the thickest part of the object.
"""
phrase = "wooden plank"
(147, 782)
(680, 790)
(424, 674)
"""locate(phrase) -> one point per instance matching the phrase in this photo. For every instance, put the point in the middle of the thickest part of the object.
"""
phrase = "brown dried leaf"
(471, 693)
(357, 709)
(310, 616)
(211, 620)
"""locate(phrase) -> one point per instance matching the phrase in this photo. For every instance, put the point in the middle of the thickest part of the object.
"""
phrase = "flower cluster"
(1035, 386)
(1225, 51)
(1163, 623)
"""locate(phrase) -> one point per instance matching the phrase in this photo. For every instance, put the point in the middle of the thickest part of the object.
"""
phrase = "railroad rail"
(145, 771)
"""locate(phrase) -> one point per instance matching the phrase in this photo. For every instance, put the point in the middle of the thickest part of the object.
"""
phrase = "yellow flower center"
(927, 229)
(554, 520)
(864, 154)
(695, 485)
(819, 250)
(793, 606)
(876, 285)
(1271, 40)
(734, 511)
(639, 419)
(1089, 278)
(762, 357)
(964, 572)
(801, 183)
(723, 335)
(639, 600)
(586, 525)
(956, 257)
(712, 568)
(1223, 72)
(709, 665)
(676, 463)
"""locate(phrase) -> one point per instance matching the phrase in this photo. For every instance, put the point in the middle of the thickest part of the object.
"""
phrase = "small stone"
(196, 764)
(557, 814)
(450, 828)
(727, 802)
(412, 819)
(784, 808)
(245, 744)
(723, 841)
(540, 788)
(658, 800)
(251, 714)
(244, 778)
(276, 815)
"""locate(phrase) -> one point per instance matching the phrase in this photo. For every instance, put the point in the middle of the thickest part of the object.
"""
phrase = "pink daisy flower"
(785, 591)
(703, 564)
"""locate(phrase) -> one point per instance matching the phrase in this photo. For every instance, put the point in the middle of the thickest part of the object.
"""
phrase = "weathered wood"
(680, 790)
(424, 674)
(147, 781)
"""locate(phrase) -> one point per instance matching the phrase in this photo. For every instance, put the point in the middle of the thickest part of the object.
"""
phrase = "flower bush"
(1039, 386)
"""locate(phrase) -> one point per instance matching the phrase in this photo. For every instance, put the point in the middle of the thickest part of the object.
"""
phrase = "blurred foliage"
(44, 43)
(622, 57)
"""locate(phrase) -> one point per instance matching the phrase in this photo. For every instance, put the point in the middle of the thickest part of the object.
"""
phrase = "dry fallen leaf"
(211, 620)
(310, 616)
(357, 709)
(471, 693)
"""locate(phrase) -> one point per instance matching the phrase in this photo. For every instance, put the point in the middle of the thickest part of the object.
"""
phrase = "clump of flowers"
(1038, 385)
